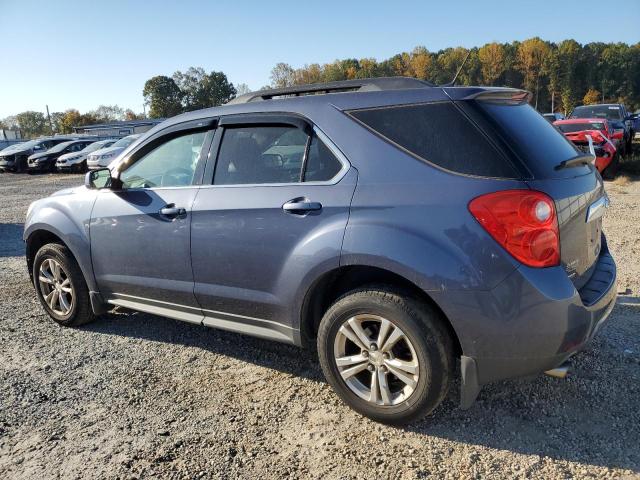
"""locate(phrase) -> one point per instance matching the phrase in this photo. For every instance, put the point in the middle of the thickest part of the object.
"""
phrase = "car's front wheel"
(60, 286)
(386, 354)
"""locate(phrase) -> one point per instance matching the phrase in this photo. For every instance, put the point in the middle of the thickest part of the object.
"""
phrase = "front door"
(276, 211)
(140, 239)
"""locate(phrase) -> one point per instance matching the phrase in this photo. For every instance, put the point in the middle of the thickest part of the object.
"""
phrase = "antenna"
(453, 82)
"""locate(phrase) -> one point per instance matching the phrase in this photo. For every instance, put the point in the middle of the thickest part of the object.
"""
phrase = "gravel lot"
(137, 396)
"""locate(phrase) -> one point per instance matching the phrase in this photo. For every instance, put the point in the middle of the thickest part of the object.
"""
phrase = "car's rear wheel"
(60, 286)
(387, 355)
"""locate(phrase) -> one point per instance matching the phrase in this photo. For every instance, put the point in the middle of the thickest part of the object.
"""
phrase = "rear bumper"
(530, 323)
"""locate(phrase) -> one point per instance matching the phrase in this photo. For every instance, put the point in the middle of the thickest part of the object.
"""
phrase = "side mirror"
(98, 179)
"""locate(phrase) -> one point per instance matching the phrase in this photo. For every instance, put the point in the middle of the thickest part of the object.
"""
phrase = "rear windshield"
(611, 112)
(578, 127)
(534, 141)
(441, 134)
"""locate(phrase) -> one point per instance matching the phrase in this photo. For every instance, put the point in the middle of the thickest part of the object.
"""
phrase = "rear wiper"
(585, 159)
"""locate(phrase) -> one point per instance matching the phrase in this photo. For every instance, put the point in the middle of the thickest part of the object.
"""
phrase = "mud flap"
(469, 388)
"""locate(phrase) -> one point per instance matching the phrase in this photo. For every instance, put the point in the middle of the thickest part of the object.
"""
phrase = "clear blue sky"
(79, 54)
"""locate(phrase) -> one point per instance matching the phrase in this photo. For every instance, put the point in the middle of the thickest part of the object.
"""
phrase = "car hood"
(13, 151)
(69, 191)
(39, 155)
(104, 151)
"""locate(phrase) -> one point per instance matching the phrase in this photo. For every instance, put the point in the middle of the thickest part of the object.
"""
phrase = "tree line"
(560, 75)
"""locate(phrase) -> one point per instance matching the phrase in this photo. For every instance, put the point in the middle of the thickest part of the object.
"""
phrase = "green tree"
(163, 97)
(203, 90)
(32, 124)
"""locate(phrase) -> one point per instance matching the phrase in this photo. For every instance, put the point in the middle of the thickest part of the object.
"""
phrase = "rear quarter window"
(536, 143)
(438, 133)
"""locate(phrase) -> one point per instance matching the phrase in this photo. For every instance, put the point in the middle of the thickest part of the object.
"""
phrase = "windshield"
(24, 146)
(124, 142)
(97, 146)
(578, 127)
(611, 112)
(60, 147)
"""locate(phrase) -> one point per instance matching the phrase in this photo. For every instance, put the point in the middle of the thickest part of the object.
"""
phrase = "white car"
(103, 157)
(78, 160)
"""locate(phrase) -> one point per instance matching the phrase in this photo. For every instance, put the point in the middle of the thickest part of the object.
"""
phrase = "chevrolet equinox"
(402, 228)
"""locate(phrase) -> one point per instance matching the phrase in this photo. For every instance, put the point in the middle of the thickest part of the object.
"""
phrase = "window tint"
(260, 154)
(534, 140)
(171, 164)
(322, 164)
(440, 134)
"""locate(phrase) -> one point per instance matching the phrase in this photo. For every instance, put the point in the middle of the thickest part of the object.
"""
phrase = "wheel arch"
(334, 283)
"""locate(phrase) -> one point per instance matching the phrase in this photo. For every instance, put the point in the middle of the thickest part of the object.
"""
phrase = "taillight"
(524, 222)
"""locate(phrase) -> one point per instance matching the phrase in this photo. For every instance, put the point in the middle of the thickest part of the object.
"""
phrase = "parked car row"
(606, 141)
(622, 125)
(64, 153)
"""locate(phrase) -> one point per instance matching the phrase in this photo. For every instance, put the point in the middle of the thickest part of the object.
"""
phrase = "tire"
(77, 300)
(426, 343)
(20, 165)
(610, 172)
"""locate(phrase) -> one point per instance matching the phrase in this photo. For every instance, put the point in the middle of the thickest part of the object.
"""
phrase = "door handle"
(301, 206)
(172, 211)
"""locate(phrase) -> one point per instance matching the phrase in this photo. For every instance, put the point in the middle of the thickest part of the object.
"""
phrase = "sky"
(81, 54)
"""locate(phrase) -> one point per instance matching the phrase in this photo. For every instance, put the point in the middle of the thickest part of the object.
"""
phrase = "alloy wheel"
(55, 286)
(376, 360)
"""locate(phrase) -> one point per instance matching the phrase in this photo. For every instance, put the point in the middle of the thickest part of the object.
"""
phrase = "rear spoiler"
(501, 95)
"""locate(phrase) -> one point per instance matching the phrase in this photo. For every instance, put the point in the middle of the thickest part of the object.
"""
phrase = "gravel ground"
(137, 396)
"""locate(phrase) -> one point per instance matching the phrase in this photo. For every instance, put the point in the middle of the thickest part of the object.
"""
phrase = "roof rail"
(358, 85)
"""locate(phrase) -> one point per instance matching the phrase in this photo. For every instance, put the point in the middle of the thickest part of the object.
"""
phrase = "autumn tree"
(492, 62)
(591, 97)
(531, 57)
(282, 75)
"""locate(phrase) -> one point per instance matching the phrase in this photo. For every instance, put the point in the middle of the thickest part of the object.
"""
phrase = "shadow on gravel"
(11, 244)
(543, 416)
(277, 356)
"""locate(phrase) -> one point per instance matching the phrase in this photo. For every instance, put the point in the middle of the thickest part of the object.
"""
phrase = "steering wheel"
(172, 176)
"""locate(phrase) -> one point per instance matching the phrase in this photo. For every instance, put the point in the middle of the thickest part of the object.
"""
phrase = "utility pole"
(49, 117)
(144, 109)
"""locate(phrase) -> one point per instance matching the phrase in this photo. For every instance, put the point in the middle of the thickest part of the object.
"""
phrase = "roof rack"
(359, 85)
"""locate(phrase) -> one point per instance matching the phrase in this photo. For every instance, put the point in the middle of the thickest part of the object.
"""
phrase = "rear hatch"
(538, 149)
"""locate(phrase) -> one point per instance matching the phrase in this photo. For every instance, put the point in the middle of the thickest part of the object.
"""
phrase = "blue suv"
(397, 226)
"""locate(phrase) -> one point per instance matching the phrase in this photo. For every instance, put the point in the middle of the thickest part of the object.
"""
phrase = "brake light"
(523, 222)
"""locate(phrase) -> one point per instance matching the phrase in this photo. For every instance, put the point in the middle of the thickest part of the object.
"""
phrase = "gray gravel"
(136, 396)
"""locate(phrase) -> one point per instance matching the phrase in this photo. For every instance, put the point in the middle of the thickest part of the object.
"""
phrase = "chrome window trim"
(335, 179)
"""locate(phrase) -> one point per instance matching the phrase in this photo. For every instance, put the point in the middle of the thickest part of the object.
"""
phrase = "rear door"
(274, 212)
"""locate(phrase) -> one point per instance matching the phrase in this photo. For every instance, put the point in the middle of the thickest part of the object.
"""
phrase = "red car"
(605, 140)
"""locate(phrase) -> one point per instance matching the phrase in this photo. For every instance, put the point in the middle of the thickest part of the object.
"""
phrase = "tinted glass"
(534, 140)
(439, 133)
(322, 164)
(171, 164)
(577, 127)
(124, 142)
(598, 111)
(260, 154)
(61, 146)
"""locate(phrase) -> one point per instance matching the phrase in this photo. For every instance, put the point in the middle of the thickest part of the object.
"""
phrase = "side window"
(322, 164)
(260, 154)
(170, 164)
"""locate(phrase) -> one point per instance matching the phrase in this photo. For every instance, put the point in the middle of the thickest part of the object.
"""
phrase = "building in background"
(118, 129)
(9, 137)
